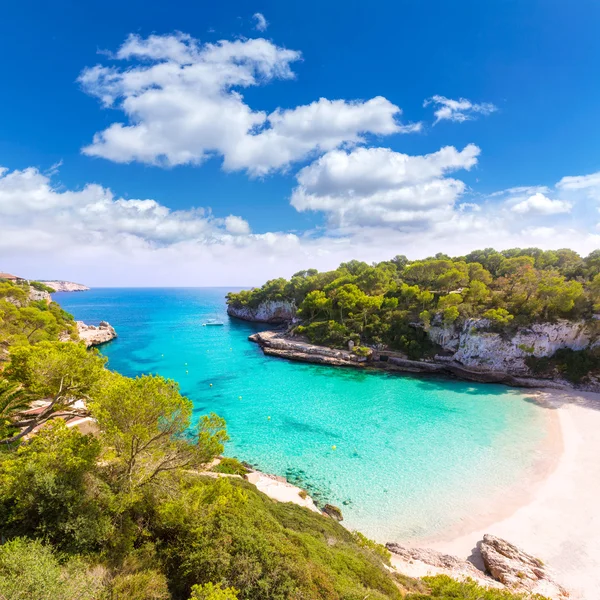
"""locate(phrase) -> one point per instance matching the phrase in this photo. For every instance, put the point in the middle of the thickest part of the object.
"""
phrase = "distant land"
(65, 286)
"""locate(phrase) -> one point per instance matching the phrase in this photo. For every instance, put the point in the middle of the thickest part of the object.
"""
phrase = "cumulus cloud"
(260, 23)
(458, 110)
(183, 105)
(93, 236)
(379, 187)
(540, 204)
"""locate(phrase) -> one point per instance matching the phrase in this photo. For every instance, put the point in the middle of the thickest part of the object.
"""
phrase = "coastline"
(279, 344)
(555, 516)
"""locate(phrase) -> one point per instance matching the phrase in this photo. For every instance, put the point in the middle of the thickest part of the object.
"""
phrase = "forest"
(393, 303)
(129, 511)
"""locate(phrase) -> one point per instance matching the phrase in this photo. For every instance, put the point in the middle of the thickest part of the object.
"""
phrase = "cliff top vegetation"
(394, 302)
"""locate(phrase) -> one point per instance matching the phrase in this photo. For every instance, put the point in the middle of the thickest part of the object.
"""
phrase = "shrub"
(230, 466)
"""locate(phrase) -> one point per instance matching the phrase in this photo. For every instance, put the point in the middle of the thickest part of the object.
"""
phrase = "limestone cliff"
(66, 286)
(275, 311)
(474, 345)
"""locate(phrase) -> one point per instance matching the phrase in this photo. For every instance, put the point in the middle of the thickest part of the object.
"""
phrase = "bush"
(230, 466)
(29, 570)
(442, 587)
(573, 365)
(362, 351)
(326, 333)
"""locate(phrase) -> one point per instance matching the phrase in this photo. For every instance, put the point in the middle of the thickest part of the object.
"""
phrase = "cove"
(403, 457)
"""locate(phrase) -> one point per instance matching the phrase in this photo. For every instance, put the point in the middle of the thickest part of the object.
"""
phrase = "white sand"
(559, 520)
(282, 491)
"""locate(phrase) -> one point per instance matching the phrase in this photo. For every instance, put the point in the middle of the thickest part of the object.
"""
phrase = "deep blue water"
(404, 457)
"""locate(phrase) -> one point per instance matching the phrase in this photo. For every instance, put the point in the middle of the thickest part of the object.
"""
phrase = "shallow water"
(404, 457)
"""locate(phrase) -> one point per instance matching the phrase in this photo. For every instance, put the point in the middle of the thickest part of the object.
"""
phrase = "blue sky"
(186, 143)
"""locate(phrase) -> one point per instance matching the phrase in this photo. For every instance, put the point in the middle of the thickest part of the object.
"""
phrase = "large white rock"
(275, 311)
(474, 345)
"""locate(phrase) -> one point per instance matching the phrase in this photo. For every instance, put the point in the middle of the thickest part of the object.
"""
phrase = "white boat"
(213, 323)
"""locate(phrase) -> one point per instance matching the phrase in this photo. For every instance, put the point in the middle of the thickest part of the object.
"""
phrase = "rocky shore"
(495, 563)
(279, 344)
(275, 312)
(94, 335)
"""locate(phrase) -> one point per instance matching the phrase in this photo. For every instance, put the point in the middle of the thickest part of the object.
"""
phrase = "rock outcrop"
(66, 286)
(36, 295)
(333, 511)
(474, 346)
(266, 312)
(506, 567)
(423, 561)
(518, 570)
(278, 344)
(94, 335)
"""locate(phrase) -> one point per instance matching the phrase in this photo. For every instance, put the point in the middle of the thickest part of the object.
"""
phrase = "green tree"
(144, 422)
(62, 372)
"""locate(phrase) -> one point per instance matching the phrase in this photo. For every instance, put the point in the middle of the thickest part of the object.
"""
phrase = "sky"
(205, 144)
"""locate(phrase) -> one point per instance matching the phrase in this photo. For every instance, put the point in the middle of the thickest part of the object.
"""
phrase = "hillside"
(437, 306)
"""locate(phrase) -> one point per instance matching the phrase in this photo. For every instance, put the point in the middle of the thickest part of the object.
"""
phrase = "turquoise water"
(412, 456)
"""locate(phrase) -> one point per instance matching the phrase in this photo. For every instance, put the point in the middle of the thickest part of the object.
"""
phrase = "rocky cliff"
(280, 311)
(66, 286)
(474, 346)
(94, 335)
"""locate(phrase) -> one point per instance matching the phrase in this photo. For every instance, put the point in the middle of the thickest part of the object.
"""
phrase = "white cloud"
(260, 23)
(458, 110)
(587, 184)
(540, 204)
(183, 105)
(379, 187)
(91, 235)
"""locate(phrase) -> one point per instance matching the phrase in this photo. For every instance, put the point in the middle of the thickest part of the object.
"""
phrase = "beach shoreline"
(554, 516)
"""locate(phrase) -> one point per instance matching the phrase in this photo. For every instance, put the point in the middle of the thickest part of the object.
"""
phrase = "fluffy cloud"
(183, 105)
(458, 110)
(260, 23)
(379, 187)
(540, 204)
(30, 203)
(93, 236)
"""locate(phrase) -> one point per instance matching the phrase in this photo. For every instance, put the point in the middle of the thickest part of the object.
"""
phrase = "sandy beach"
(556, 519)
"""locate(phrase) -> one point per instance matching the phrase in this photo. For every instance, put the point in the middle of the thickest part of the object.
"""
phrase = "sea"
(404, 457)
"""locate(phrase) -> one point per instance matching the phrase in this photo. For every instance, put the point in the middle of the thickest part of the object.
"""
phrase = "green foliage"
(52, 368)
(30, 570)
(442, 587)
(231, 466)
(573, 365)
(363, 303)
(41, 287)
(144, 423)
(362, 351)
(24, 322)
(224, 530)
(210, 591)
(50, 488)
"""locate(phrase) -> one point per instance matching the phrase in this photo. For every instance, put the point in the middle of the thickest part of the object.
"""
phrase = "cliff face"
(266, 312)
(475, 347)
(66, 286)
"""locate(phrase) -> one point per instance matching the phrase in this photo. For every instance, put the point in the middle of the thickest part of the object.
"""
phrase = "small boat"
(212, 323)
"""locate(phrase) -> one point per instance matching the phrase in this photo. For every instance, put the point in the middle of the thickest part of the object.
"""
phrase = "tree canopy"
(392, 302)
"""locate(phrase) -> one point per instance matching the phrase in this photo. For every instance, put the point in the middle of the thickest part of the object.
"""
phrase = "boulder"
(518, 570)
(333, 511)
(95, 336)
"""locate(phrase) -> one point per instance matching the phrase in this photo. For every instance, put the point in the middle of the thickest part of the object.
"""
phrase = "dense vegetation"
(24, 322)
(393, 303)
(128, 513)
